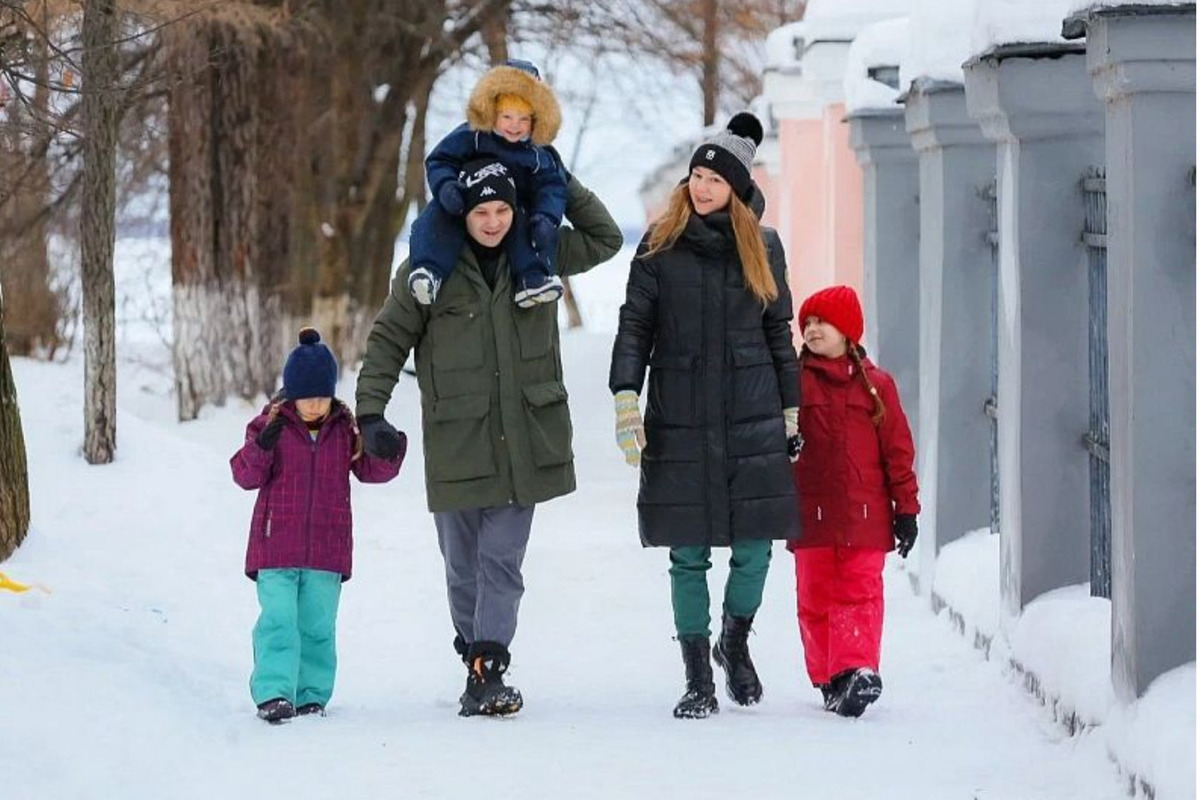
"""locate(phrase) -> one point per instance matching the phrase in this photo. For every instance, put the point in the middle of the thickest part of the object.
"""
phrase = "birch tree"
(98, 228)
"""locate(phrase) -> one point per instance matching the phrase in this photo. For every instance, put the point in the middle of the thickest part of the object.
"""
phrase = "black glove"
(541, 232)
(795, 444)
(904, 528)
(380, 439)
(451, 198)
(269, 436)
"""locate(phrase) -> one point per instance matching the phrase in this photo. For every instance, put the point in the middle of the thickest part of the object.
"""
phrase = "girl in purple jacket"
(299, 453)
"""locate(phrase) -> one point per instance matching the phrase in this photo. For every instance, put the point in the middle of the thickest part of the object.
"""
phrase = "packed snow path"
(130, 679)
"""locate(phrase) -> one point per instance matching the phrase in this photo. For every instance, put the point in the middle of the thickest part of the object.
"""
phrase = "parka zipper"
(312, 485)
(705, 458)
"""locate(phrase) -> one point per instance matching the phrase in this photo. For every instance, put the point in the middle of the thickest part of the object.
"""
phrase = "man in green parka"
(495, 422)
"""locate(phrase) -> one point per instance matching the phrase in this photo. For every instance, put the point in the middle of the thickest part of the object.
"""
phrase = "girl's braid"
(856, 357)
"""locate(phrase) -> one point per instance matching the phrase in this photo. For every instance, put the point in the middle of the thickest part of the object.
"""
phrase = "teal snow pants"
(295, 653)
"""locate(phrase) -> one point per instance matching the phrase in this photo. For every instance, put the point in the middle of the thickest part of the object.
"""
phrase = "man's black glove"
(450, 195)
(380, 439)
(268, 437)
(904, 527)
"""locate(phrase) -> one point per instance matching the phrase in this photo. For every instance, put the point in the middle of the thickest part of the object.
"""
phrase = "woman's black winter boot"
(700, 699)
(732, 654)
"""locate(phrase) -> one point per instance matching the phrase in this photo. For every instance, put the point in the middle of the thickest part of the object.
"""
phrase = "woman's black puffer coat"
(722, 369)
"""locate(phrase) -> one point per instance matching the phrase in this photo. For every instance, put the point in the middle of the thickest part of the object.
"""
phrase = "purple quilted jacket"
(302, 516)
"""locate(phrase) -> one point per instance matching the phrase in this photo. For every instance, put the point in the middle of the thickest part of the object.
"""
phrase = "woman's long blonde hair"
(665, 231)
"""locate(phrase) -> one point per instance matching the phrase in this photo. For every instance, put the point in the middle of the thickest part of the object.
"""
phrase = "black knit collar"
(710, 233)
(484, 253)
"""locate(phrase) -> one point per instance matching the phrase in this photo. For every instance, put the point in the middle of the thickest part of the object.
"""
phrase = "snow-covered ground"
(1060, 644)
(129, 679)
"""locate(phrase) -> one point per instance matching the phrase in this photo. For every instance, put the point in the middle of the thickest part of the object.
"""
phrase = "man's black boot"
(486, 693)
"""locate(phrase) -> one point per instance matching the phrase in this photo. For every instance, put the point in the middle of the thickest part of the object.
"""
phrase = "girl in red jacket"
(857, 494)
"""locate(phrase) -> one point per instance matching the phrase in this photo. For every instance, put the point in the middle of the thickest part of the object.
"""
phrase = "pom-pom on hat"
(839, 306)
(311, 370)
(730, 153)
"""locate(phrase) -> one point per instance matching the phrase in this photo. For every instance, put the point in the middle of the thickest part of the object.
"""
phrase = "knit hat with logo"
(486, 179)
(730, 153)
(839, 306)
(311, 370)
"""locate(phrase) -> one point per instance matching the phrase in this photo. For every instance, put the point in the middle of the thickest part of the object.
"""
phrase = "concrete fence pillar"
(1035, 102)
(956, 167)
(891, 264)
(1142, 61)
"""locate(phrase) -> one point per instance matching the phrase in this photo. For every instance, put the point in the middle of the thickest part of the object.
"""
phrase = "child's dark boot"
(854, 690)
(276, 710)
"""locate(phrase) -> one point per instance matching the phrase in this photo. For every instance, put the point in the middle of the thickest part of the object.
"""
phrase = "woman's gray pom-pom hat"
(731, 152)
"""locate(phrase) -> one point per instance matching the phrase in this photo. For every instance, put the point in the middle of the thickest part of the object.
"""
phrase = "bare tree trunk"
(343, 198)
(34, 307)
(234, 104)
(276, 148)
(710, 82)
(197, 300)
(495, 35)
(233, 156)
(308, 95)
(98, 229)
(14, 471)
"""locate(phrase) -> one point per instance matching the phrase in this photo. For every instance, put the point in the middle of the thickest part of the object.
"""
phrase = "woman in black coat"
(707, 309)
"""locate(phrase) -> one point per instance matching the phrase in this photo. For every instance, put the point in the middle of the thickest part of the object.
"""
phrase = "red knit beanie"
(839, 306)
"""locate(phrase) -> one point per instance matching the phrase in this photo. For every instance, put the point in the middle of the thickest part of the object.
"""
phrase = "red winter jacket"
(302, 516)
(852, 476)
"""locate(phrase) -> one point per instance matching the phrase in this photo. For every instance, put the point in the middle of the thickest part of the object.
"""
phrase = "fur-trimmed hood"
(481, 108)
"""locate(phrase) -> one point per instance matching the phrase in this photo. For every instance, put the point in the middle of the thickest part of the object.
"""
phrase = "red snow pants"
(839, 602)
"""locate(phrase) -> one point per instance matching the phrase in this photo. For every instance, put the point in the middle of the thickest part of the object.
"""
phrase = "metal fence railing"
(990, 403)
(1095, 234)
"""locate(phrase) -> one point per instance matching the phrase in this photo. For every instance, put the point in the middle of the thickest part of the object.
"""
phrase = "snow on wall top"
(1000, 22)
(882, 44)
(939, 40)
(1074, 6)
(781, 45)
(828, 20)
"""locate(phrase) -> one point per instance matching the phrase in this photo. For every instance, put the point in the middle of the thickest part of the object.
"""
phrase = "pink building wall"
(821, 176)
(845, 232)
(769, 185)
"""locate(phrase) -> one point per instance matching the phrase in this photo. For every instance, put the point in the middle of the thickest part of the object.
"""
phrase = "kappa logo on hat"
(485, 191)
(710, 155)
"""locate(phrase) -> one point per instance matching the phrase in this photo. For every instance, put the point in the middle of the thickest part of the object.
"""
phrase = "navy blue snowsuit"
(437, 237)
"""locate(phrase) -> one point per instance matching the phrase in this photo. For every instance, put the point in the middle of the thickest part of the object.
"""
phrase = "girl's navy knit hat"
(311, 370)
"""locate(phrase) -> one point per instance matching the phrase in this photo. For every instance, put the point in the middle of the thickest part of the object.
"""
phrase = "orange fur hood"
(481, 108)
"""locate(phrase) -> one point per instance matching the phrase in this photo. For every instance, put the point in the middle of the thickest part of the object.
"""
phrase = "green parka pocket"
(458, 441)
(549, 423)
